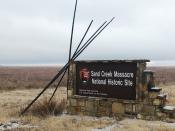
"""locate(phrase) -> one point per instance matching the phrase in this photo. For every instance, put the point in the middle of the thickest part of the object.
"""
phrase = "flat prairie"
(19, 85)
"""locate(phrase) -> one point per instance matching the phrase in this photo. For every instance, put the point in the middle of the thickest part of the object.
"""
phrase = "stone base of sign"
(148, 105)
(152, 108)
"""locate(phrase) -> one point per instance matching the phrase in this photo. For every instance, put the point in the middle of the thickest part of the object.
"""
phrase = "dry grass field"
(19, 85)
(26, 77)
(164, 75)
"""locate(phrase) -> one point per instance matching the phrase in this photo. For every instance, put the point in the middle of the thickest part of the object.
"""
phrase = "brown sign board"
(106, 79)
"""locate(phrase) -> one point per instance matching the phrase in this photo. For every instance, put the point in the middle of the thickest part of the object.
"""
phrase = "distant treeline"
(37, 77)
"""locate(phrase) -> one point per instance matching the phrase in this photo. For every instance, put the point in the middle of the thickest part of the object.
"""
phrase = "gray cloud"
(38, 31)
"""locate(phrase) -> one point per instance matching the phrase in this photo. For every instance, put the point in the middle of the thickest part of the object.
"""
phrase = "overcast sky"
(38, 31)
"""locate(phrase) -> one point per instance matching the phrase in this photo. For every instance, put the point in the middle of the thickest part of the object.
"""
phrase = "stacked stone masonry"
(148, 104)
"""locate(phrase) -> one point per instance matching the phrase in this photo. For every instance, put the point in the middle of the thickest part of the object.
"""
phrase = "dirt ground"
(12, 101)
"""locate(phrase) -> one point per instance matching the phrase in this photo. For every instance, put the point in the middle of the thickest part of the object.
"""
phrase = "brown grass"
(15, 83)
(44, 108)
(164, 75)
(12, 78)
(10, 101)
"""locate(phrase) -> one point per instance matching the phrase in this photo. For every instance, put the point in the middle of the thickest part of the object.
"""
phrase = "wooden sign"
(106, 79)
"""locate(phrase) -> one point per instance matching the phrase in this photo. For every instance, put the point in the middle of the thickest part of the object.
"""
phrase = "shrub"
(45, 108)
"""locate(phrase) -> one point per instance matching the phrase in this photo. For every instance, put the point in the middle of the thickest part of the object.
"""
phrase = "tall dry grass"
(164, 75)
(42, 113)
(12, 78)
(44, 107)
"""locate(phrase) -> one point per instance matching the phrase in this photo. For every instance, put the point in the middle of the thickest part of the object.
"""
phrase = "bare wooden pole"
(72, 31)
(64, 68)
(73, 56)
(91, 39)
(83, 47)
(70, 48)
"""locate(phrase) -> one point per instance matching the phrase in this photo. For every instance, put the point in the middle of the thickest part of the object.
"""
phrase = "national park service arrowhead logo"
(84, 75)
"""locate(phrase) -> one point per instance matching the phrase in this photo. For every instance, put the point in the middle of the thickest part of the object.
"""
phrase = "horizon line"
(151, 63)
